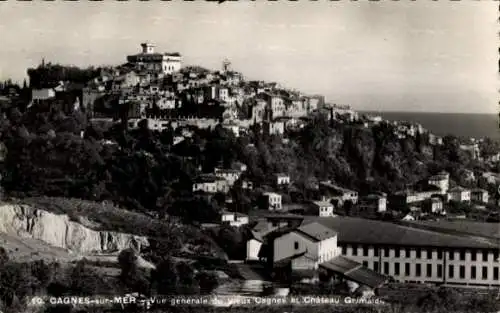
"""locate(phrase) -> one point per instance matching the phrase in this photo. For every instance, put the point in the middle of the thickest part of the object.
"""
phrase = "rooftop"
(354, 271)
(322, 203)
(364, 231)
(317, 231)
(458, 189)
(281, 174)
(481, 229)
(207, 178)
(270, 193)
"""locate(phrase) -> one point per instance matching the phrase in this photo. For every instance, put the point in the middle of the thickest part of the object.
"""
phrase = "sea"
(441, 124)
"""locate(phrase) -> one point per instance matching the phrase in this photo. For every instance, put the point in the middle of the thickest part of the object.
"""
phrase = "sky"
(437, 56)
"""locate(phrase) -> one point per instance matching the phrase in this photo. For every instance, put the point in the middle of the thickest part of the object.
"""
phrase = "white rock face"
(58, 230)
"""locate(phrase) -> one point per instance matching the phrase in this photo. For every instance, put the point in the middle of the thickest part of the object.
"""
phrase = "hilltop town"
(291, 187)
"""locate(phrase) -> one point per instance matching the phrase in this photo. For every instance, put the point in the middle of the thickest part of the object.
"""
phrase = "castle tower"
(226, 66)
(147, 48)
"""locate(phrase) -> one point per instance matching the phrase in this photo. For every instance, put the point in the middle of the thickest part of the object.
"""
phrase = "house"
(234, 219)
(42, 94)
(210, 184)
(323, 208)
(275, 104)
(227, 217)
(271, 201)
(312, 244)
(479, 195)
(459, 194)
(441, 180)
(491, 178)
(331, 192)
(378, 202)
(273, 128)
(228, 174)
(434, 205)
(239, 220)
(472, 149)
(239, 166)
(403, 198)
(246, 184)
(148, 59)
(312, 247)
(254, 245)
(281, 179)
(266, 226)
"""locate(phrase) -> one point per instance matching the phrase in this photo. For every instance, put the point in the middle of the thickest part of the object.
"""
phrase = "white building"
(375, 201)
(210, 184)
(459, 194)
(434, 205)
(42, 94)
(331, 191)
(271, 201)
(166, 63)
(410, 254)
(282, 179)
(274, 128)
(323, 208)
(234, 219)
(228, 174)
(315, 242)
(479, 195)
(441, 180)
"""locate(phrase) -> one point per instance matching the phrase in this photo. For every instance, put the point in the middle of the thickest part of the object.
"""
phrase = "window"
(365, 251)
(473, 255)
(485, 273)
(429, 254)
(451, 271)
(408, 252)
(439, 270)
(418, 270)
(386, 252)
(396, 268)
(344, 250)
(495, 255)
(485, 256)
(451, 255)
(296, 245)
(354, 250)
(495, 273)
(419, 253)
(386, 267)
(407, 269)
(375, 251)
(396, 253)
(440, 254)
(473, 272)
(429, 270)
(462, 271)
(462, 255)
(365, 263)
(375, 266)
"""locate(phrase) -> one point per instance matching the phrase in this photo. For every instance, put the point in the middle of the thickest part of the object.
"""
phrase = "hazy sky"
(405, 56)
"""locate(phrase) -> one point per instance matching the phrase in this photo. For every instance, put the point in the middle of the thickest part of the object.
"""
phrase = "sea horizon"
(476, 125)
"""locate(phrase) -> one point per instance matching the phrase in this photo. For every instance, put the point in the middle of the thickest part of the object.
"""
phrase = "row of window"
(406, 253)
(439, 270)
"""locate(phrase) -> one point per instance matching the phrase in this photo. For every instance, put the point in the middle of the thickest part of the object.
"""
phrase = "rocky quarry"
(59, 231)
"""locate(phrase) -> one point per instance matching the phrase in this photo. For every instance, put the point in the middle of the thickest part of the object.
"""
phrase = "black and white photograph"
(249, 156)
